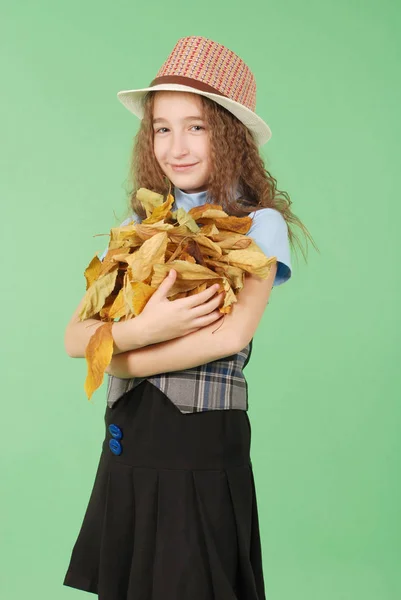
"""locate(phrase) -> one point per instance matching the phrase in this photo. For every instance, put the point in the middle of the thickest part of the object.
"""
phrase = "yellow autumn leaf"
(250, 261)
(145, 232)
(185, 218)
(188, 277)
(127, 294)
(186, 256)
(187, 246)
(98, 354)
(150, 200)
(160, 212)
(199, 288)
(177, 232)
(117, 309)
(235, 275)
(254, 247)
(179, 295)
(152, 251)
(208, 246)
(141, 292)
(104, 312)
(173, 251)
(235, 241)
(123, 244)
(96, 295)
(229, 299)
(92, 271)
(123, 232)
(210, 231)
(124, 257)
(109, 264)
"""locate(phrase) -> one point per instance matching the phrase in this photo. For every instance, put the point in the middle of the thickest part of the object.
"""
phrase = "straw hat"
(200, 66)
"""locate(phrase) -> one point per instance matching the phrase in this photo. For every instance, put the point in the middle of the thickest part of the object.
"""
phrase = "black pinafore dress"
(172, 514)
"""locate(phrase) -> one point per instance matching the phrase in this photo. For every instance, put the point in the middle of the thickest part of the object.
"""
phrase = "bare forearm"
(127, 335)
(181, 353)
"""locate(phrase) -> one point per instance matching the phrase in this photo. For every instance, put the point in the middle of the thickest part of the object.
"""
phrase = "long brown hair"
(235, 159)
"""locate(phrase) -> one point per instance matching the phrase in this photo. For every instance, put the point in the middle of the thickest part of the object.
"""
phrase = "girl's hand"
(166, 319)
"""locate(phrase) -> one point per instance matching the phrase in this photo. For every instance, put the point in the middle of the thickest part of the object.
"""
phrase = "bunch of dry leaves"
(139, 256)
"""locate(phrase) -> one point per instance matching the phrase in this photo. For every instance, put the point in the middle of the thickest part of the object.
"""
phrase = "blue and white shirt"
(219, 384)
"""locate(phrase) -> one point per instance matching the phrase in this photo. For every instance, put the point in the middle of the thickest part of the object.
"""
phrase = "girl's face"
(181, 138)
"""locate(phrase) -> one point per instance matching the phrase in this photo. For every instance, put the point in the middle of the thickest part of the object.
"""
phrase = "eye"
(157, 130)
(199, 127)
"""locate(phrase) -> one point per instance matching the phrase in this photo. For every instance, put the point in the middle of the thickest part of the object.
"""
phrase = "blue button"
(115, 432)
(115, 447)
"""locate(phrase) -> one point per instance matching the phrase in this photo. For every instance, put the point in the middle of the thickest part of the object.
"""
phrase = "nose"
(179, 146)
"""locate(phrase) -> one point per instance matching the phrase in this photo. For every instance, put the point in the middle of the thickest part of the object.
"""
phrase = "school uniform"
(173, 512)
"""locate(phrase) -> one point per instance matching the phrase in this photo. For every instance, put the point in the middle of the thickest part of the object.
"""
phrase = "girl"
(173, 513)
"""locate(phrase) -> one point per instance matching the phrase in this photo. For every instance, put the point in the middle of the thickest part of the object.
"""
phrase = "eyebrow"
(197, 118)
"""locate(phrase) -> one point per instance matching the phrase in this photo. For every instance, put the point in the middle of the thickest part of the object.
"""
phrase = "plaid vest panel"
(216, 385)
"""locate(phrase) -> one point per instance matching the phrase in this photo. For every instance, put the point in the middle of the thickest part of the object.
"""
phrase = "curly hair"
(234, 158)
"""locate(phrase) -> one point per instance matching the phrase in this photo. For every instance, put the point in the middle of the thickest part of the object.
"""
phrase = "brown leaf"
(98, 354)
(186, 256)
(194, 251)
(237, 224)
(173, 250)
(212, 211)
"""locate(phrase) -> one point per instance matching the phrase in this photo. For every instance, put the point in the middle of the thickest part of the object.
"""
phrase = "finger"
(166, 284)
(208, 319)
(200, 297)
(207, 307)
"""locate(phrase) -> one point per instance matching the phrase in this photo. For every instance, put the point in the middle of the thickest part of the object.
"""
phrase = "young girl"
(173, 513)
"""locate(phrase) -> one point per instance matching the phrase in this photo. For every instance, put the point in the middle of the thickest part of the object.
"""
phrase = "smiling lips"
(182, 167)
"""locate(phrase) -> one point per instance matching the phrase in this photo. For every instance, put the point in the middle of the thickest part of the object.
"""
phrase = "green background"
(324, 378)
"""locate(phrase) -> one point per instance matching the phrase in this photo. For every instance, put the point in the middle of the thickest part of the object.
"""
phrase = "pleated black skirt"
(172, 514)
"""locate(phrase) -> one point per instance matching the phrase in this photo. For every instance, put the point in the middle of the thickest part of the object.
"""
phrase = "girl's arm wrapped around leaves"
(225, 337)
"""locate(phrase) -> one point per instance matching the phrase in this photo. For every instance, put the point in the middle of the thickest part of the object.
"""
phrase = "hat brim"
(133, 101)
